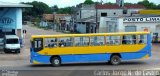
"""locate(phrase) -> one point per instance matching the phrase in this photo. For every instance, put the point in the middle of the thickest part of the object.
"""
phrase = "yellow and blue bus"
(84, 48)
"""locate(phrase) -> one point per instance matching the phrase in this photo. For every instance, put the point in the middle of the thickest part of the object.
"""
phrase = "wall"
(11, 18)
(43, 24)
(85, 13)
(153, 26)
(81, 28)
(110, 12)
(142, 26)
(103, 25)
(8, 18)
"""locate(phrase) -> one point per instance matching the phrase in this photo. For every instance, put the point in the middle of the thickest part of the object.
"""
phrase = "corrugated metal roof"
(8, 4)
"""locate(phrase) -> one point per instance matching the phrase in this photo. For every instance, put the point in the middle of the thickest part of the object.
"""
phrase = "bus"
(85, 48)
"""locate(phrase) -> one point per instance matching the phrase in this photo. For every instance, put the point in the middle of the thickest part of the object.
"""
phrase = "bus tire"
(115, 60)
(55, 61)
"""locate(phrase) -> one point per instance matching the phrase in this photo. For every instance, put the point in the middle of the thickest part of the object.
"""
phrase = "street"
(20, 61)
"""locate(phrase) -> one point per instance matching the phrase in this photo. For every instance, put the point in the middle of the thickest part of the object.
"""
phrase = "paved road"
(21, 63)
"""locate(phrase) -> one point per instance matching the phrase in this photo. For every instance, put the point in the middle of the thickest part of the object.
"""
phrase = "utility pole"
(97, 27)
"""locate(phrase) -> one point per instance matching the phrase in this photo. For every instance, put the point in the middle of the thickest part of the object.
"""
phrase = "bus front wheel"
(55, 61)
(115, 60)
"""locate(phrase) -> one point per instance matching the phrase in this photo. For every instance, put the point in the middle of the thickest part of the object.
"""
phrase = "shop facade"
(132, 24)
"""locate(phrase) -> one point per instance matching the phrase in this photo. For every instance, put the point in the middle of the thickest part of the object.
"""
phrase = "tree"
(147, 4)
(65, 10)
(158, 6)
(38, 9)
(127, 3)
(88, 2)
(109, 3)
(55, 8)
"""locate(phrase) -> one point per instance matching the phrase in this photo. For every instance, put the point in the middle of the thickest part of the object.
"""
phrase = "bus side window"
(97, 40)
(50, 42)
(129, 39)
(113, 40)
(81, 41)
(142, 39)
(65, 42)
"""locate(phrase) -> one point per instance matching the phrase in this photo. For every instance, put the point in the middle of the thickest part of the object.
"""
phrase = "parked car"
(11, 44)
(1, 43)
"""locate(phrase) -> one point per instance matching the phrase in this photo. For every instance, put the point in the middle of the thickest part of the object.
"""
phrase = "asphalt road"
(19, 64)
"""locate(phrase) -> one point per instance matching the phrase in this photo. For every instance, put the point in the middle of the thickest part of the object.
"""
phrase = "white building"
(11, 18)
(85, 13)
(131, 24)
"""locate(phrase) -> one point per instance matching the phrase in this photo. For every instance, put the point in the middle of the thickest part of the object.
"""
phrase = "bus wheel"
(56, 61)
(115, 60)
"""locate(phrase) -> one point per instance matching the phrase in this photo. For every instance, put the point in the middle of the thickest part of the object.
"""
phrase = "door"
(38, 44)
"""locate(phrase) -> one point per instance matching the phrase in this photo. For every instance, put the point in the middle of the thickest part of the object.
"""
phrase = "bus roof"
(90, 34)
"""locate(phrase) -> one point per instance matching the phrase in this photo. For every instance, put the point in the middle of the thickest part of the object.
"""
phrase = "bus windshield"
(11, 41)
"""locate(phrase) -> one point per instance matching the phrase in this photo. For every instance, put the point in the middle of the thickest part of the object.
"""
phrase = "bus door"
(37, 44)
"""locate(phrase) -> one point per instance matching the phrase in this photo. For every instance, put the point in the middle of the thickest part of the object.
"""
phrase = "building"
(11, 18)
(86, 25)
(131, 24)
(62, 21)
(47, 21)
(56, 21)
(87, 12)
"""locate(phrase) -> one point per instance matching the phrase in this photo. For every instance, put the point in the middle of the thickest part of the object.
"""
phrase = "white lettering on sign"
(146, 19)
(6, 20)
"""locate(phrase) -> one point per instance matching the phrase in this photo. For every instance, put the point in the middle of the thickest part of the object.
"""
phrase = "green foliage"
(38, 9)
(88, 2)
(55, 8)
(65, 10)
(158, 6)
(109, 3)
(147, 4)
(127, 3)
(36, 19)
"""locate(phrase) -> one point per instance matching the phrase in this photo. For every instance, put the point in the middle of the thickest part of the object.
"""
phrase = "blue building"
(11, 18)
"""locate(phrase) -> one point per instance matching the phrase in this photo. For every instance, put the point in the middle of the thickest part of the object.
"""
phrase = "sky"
(65, 3)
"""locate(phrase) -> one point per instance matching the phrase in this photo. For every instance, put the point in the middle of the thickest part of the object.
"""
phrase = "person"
(123, 41)
(61, 44)
(134, 39)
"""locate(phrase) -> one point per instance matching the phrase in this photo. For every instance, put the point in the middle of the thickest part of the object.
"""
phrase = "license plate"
(13, 51)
